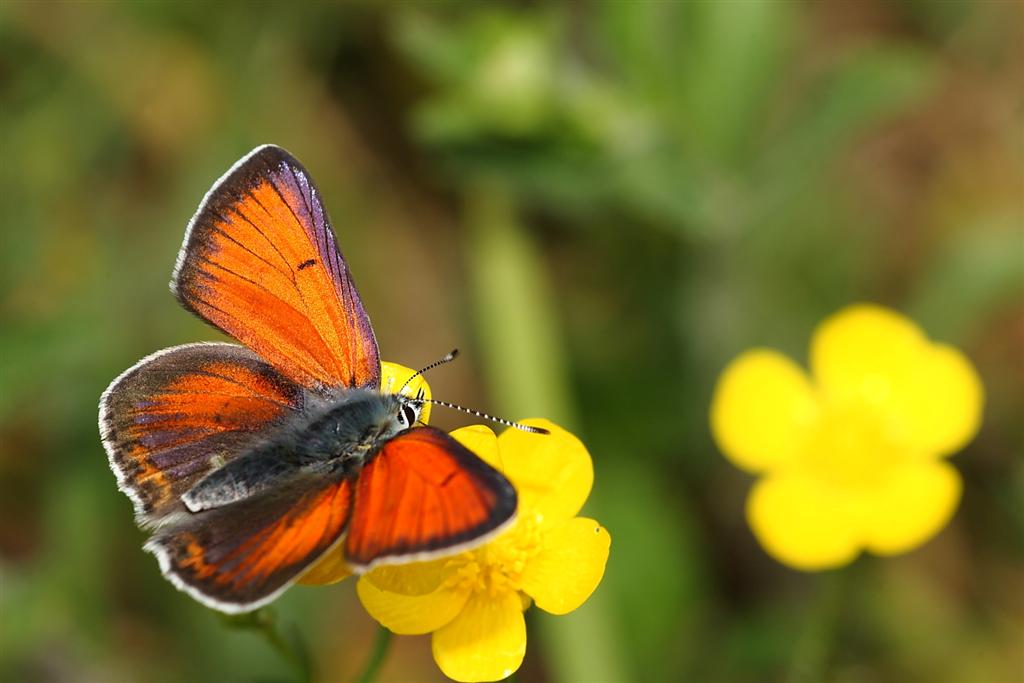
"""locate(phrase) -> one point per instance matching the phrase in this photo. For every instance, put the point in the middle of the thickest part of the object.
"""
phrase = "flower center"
(852, 445)
(498, 566)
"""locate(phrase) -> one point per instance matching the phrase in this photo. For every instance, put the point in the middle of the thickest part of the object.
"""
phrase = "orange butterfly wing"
(260, 262)
(239, 557)
(424, 495)
(177, 414)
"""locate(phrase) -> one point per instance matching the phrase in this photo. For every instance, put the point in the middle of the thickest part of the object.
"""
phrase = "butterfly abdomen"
(260, 469)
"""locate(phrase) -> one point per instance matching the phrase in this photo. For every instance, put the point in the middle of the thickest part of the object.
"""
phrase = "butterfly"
(250, 462)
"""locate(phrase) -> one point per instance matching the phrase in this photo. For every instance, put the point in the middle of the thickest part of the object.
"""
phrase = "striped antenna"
(449, 357)
(508, 423)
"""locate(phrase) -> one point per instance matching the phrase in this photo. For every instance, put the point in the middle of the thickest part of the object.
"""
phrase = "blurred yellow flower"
(851, 458)
(473, 602)
(332, 568)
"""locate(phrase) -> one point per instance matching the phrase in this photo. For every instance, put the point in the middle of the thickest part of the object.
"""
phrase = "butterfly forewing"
(260, 262)
(178, 414)
(424, 494)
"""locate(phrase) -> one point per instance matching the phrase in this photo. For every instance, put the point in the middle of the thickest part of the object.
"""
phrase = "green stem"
(377, 655)
(812, 652)
(264, 621)
(524, 361)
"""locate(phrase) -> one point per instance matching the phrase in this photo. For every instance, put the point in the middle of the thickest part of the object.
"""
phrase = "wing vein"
(252, 391)
(234, 207)
(298, 221)
(258, 285)
(285, 273)
(309, 238)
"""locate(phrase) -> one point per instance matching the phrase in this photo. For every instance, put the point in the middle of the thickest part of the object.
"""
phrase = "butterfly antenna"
(448, 358)
(508, 423)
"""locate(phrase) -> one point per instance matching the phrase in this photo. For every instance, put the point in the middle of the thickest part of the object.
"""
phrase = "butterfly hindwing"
(423, 495)
(238, 557)
(177, 414)
(260, 262)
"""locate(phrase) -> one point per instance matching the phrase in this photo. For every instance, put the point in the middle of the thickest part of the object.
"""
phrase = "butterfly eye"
(407, 415)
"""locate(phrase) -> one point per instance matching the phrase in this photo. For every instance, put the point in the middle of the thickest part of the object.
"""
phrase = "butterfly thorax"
(331, 437)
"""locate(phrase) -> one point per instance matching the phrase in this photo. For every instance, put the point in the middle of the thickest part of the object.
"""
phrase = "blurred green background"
(600, 203)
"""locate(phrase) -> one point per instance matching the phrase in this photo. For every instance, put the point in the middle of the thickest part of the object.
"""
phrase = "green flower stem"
(377, 655)
(264, 622)
(524, 364)
(812, 651)
(514, 312)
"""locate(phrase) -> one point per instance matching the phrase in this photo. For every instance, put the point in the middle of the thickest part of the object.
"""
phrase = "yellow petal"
(393, 376)
(569, 565)
(485, 642)
(482, 441)
(552, 472)
(937, 401)
(411, 614)
(761, 410)
(929, 393)
(331, 568)
(856, 352)
(414, 578)
(912, 504)
(802, 523)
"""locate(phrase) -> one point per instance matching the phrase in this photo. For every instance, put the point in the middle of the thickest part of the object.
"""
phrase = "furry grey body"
(329, 438)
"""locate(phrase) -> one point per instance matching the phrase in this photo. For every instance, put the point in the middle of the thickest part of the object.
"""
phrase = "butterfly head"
(409, 409)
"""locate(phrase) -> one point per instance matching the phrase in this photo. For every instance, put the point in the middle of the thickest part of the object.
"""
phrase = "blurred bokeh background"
(599, 203)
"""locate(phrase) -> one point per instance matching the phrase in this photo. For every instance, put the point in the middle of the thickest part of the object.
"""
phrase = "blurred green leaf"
(732, 62)
(866, 86)
(979, 270)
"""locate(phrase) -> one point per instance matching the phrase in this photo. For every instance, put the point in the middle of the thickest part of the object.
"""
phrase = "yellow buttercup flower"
(332, 568)
(473, 602)
(851, 457)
